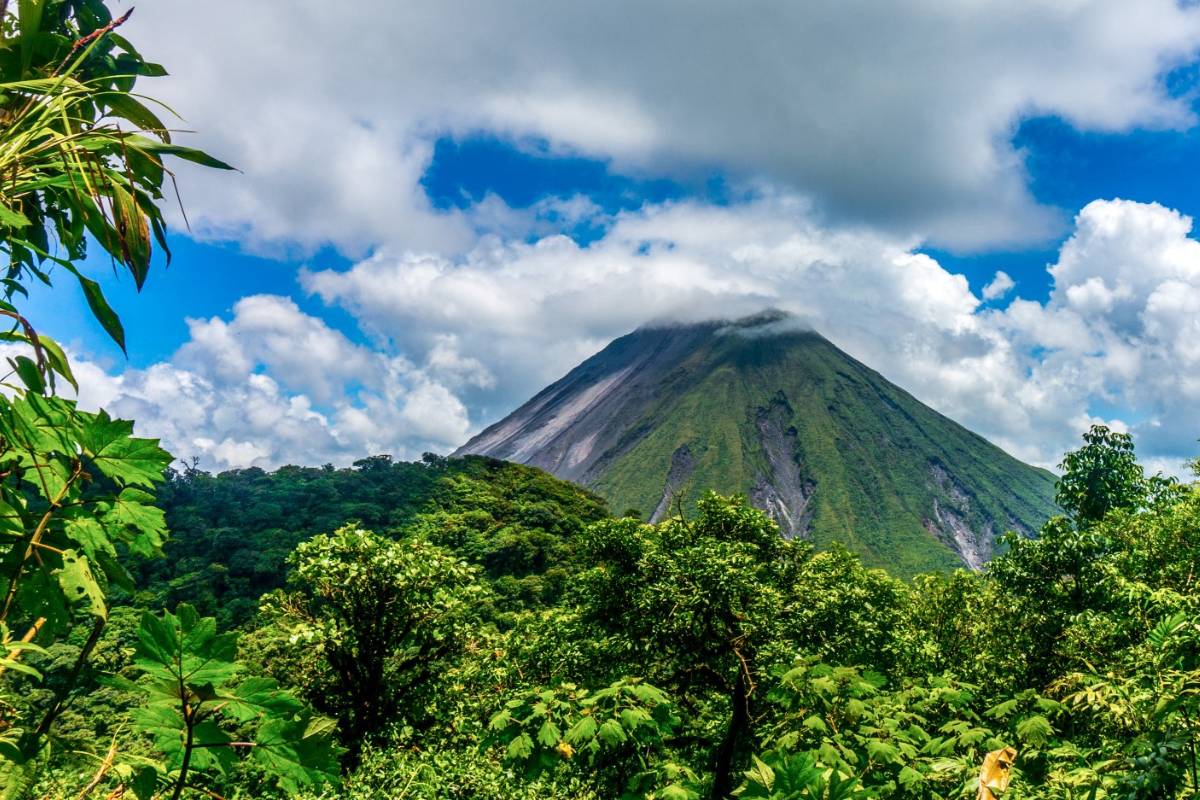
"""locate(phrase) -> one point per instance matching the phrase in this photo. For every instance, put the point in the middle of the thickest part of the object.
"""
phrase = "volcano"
(828, 447)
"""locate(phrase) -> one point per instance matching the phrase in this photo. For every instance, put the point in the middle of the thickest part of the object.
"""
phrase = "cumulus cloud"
(273, 386)
(1001, 285)
(900, 117)
(457, 343)
(1123, 320)
(1118, 332)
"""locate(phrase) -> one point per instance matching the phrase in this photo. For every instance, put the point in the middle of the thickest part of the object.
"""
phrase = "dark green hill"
(231, 533)
(825, 444)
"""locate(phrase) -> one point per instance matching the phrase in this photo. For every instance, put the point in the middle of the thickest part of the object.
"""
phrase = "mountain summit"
(826, 445)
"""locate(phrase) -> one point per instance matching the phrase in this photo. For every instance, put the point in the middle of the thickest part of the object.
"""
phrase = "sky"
(440, 207)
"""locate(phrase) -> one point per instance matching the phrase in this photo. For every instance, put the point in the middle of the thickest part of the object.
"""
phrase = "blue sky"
(465, 203)
(1067, 170)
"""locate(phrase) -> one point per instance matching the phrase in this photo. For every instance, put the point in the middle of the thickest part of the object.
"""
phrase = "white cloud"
(1027, 376)
(898, 116)
(461, 342)
(274, 386)
(1001, 285)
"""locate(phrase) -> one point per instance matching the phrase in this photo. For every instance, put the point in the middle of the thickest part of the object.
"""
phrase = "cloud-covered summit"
(846, 142)
(457, 343)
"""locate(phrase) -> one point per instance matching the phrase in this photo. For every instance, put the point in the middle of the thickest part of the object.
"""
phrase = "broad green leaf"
(158, 644)
(79, 585)
(583, 730)
(611, 732)
(57, 360)
(12, 219)
(145, 783)
(11, 521)
(257, 697)
(134, 519)
(210, 747)
(40, 595)
(815, 723)
(631, 718)
(1003, 709)
(165, 726)
(1035, 731)
(88, 535)
(549, 734)
(520, 747)
(109, 445)
(883, 752)
(972, 737)
(674, 791)
(187, 647)
(29, 374)
(761, 774)
(300, 751)
(910, 779)
(114, 570)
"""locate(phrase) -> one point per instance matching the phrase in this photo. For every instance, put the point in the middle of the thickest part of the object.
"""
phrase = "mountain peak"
(766, 406)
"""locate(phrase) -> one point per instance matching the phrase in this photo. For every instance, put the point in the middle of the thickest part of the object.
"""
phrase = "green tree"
(383, 617)
(696, 607)
(1102, 476)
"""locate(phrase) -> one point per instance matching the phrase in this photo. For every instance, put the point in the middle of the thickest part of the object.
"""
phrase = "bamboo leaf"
(101, 310)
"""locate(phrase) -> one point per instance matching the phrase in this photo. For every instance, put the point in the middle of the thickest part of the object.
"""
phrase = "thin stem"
(188, 747)
(100, 773)
(26, 639)
(37, 534)
(60, 697)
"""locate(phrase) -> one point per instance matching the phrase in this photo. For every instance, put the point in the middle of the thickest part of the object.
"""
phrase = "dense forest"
(474, 628)
(468, 628)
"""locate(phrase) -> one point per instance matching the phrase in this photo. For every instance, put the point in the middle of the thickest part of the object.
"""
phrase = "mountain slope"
(826, 445)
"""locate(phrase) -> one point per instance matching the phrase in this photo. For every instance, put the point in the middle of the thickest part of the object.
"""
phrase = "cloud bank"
(898, 114)
(275, 386)
(459, 342)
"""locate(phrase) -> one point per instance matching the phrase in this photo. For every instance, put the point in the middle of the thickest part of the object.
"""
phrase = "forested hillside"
(491, 632)
(233, 532)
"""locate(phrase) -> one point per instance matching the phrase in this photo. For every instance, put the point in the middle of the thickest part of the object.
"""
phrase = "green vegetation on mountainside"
(878, 456)
(233, 532)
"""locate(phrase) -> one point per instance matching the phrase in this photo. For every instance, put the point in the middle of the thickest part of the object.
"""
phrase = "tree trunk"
(727, 753)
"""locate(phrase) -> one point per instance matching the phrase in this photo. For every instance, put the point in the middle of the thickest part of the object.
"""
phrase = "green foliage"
(702, 601)
(86, 470)
(546, 728)
(798, 777)
(73, 496)
(1103, 476)
(921, 739)
(195, 696)
(382, 616)
(83, 154)
(736, 662)
(232, 533)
